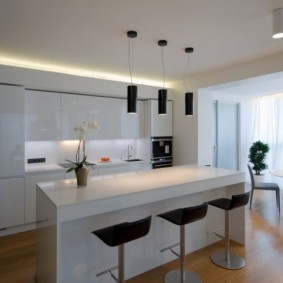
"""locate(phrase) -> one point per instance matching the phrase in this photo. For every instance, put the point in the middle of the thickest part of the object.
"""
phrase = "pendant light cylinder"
(132, 99)
(162, 101)
(277, 20)
(189, 104)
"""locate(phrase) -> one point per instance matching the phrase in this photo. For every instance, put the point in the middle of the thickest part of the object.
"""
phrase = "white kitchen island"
(67, 252)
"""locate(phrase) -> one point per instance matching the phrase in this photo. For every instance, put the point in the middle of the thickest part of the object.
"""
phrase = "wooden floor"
(263, 253)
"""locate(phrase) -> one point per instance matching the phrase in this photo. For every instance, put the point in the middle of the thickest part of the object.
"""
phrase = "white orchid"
(82, 130)
(85, 127)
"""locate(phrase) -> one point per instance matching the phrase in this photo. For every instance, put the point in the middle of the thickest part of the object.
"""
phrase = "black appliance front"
(162, 162)
(161, 147)
(161, 152)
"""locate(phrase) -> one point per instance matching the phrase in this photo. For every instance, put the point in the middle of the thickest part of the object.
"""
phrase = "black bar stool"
(181, 217)
(226, 258)
(118, 235)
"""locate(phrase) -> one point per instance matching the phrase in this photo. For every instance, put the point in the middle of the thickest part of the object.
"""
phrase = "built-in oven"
(161, 152)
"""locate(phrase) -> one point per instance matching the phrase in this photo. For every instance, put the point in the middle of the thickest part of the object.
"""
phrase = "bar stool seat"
(181, 217)
(226, 258)
(118, 235)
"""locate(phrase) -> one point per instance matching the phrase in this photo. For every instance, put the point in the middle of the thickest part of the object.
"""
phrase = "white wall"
(193, 136)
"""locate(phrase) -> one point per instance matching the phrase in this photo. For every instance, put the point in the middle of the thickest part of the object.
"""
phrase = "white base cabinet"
(11, 202)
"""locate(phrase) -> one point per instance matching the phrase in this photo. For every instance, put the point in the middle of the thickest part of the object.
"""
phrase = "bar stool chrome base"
(234, 261)
(174, 276)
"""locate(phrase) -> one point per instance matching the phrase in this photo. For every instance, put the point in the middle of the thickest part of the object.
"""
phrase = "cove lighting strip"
(13, 62)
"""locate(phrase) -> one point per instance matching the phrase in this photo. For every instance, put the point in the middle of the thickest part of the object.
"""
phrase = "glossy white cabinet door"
(132, 125)
(108, 117)
(30, 191)
(75, 109)
(11, 202)
(158, 125)
(79, 108)
(42, 115)
(12, 141)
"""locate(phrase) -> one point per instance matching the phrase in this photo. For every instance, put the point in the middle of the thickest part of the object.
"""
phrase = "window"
(267, 125)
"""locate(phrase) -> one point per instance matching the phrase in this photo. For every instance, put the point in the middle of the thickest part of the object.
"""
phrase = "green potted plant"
(257, 155)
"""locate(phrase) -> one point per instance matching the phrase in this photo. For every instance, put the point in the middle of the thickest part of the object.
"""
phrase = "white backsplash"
(59, 151)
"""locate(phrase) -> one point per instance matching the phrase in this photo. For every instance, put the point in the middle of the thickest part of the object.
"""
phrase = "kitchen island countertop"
(66, 215)
(111, 192)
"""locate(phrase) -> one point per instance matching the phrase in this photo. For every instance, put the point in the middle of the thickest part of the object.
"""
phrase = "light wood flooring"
(263, 253)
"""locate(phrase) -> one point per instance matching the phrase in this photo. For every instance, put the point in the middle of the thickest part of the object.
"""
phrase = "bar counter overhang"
(66, 215)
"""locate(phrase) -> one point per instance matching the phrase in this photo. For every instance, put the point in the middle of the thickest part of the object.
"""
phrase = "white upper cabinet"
(42, 115)
(79, 108)
(158, 125)
(132, 125)
(108, 117)
(75, 109)
(12, 146)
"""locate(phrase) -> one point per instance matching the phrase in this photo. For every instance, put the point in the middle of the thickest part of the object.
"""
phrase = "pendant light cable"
(188, 50)
(163, 66)
(130, 58)
(185, 73)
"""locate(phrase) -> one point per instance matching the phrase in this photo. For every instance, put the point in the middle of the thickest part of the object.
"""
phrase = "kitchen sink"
(132, 160)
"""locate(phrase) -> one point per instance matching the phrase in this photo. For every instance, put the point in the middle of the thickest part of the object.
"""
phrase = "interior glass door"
(226, 135)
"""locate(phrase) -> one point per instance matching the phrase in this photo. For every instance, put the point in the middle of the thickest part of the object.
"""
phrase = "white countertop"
(111, 192)
(44, 168)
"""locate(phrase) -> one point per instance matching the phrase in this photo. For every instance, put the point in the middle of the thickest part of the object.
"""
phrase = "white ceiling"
(91, 34)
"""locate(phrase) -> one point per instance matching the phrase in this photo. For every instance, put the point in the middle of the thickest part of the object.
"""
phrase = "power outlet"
(36, 160)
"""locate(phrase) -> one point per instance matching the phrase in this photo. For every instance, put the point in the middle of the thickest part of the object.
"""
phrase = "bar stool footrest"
(109, 270)
(235, 261)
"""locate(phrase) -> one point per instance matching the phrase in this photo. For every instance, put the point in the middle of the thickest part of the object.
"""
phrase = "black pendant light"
(189, 104)
(189, 96)
(132, 89)
(162, 93)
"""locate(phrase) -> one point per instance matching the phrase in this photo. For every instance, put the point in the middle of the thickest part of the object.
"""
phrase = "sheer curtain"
(267, 126)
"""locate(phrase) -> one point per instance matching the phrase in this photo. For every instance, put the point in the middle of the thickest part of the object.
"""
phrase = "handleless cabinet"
(11, 202)
(75, 109)
(42, 115)
(158, 125)
(79, 108)
(108, 117)
(132, 125)
(12, 141)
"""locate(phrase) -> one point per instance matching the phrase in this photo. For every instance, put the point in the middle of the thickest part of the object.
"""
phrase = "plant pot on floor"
(82, 175)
